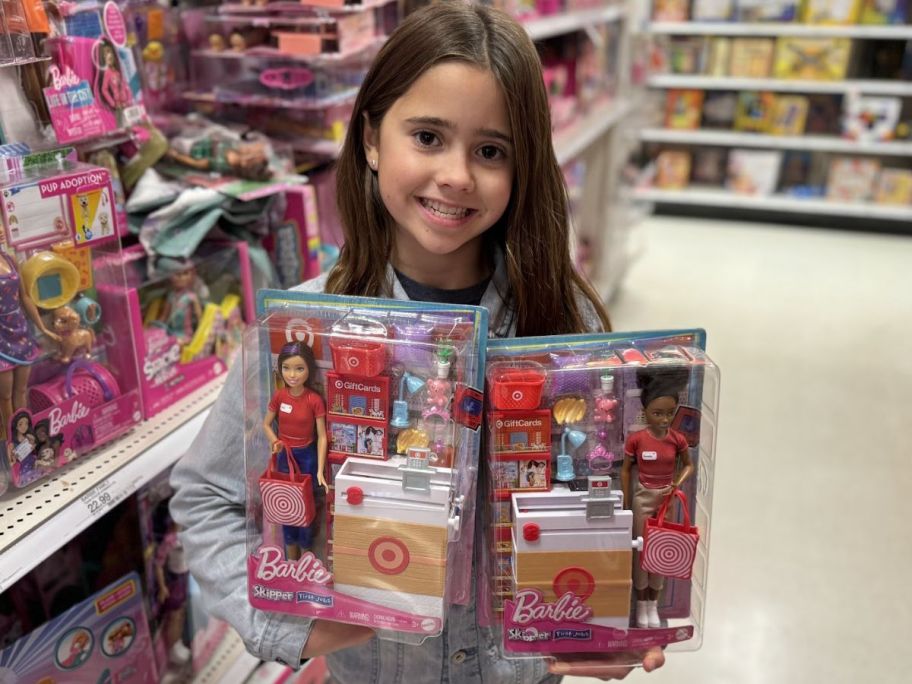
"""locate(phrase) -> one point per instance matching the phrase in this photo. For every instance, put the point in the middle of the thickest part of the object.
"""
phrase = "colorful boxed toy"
(95, 85)
(672, 169)
(720, 109)
(686, 54)
(294, 244)
(683, 108)
(851, 179)
(712, 10)
(767, 10)
(670, 10)
(188, 316)
(816, 59)
(718, 56)
(709, 165)
(57, 341)
(753, 172)
(362, 440)
(755, 111)
(103, 639)
(582, 564)
(831, 12)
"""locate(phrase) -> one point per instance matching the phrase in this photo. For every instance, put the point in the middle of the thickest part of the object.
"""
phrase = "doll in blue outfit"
(449, 191)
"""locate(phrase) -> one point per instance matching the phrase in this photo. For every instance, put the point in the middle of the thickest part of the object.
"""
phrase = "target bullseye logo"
(299, 330)
(284, 505)
(577, 581)
(669, 554)
(388, 555)
(353, 361)
(517, 395)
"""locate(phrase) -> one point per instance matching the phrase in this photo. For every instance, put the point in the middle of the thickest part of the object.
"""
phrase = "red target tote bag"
(669, 548)
(287, 497)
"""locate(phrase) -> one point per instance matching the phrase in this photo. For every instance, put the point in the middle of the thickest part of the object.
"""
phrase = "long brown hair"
(534, 230)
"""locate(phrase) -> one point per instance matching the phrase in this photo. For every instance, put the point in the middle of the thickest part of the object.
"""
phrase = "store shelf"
(872, 87)
(571, 141)
(339, 99)
(38, 520)
(819, 143)
(559, 24)
(776, 203)
(230, 663)
(722, 28)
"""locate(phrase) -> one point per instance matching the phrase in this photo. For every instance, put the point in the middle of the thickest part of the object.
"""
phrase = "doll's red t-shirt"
(296, 415)
(655, 457)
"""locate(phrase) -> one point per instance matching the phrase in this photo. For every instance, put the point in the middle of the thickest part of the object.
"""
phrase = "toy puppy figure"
(296, 420)
(74, 339)
(663, 464)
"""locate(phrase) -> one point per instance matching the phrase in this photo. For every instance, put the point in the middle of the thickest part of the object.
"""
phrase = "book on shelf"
(824, 114)
(813, 59)
(718, 56)
(753, 172)
(870, 118)
(831, 12)
(789, 115)
(687, 54)
(751, 57)
(670, 10)
(683, 108)
(884, 12)
(851, 179)
(767, 10)
(672, 169)
(719, 109)
(755, 111)
(709, 165)
(894, 186)
(712, 10)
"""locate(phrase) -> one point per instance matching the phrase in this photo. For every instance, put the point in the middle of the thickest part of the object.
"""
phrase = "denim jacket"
(209, 504)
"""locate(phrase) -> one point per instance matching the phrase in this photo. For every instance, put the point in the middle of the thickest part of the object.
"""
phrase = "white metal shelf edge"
(570, 142)
(229, 664)
(36, 521)
(823, 143)
(722, 198)
(731, 28)
(560, 24)
(875, 87)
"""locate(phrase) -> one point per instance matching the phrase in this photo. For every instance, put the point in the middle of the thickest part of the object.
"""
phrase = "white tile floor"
(811, 552)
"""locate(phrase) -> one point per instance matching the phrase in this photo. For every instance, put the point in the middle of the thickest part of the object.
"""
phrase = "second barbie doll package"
(600, 453)
(362, 435)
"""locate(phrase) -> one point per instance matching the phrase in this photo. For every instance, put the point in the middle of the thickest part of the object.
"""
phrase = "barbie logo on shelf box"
(599, 556)
(353, 451)
(102, 639)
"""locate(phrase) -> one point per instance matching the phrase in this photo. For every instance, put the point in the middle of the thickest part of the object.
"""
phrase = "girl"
(656, 450)
(298, 414)
(448, 190)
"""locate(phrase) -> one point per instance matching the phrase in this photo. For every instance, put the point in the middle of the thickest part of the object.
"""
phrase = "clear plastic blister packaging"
(60, 250)
(590, 440)
(362, 434)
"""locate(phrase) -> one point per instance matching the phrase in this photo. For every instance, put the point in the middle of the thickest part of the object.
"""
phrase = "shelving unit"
(230, 663)
(720, 28)
(869, 87)
(559, 24)
(38, 520)
(775, 203)
(822, 143)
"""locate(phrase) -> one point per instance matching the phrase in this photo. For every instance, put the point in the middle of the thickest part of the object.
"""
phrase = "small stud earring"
(373, 163)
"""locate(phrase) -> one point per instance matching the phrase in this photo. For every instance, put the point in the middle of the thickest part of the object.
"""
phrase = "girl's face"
(22, 425)
(445, 168)
(294, 372)
(659, 413)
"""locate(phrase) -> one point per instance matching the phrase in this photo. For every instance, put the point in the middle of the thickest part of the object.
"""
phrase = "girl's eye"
(491, 153)
(425, 138)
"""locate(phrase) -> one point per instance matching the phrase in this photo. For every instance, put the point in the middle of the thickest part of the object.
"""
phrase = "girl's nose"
(455, 172)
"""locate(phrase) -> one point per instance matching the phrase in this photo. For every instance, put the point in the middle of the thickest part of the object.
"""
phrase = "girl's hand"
(327, 637)
(606, 667)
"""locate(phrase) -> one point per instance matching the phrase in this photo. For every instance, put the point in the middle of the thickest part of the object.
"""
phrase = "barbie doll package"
(362, 436)
(60, 251)
(600, 457)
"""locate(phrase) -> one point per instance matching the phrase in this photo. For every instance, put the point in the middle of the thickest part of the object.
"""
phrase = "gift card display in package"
(362, 437)
(600, 453)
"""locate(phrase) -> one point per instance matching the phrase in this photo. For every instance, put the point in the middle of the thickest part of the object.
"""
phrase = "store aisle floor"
(811, 545)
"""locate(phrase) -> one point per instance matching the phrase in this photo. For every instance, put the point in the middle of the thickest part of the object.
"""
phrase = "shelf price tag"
(102, 497)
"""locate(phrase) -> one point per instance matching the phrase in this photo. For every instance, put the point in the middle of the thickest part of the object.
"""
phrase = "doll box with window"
(57, 338)
(627, 420)
(102, 639)
(188, 316)
(362, 440)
